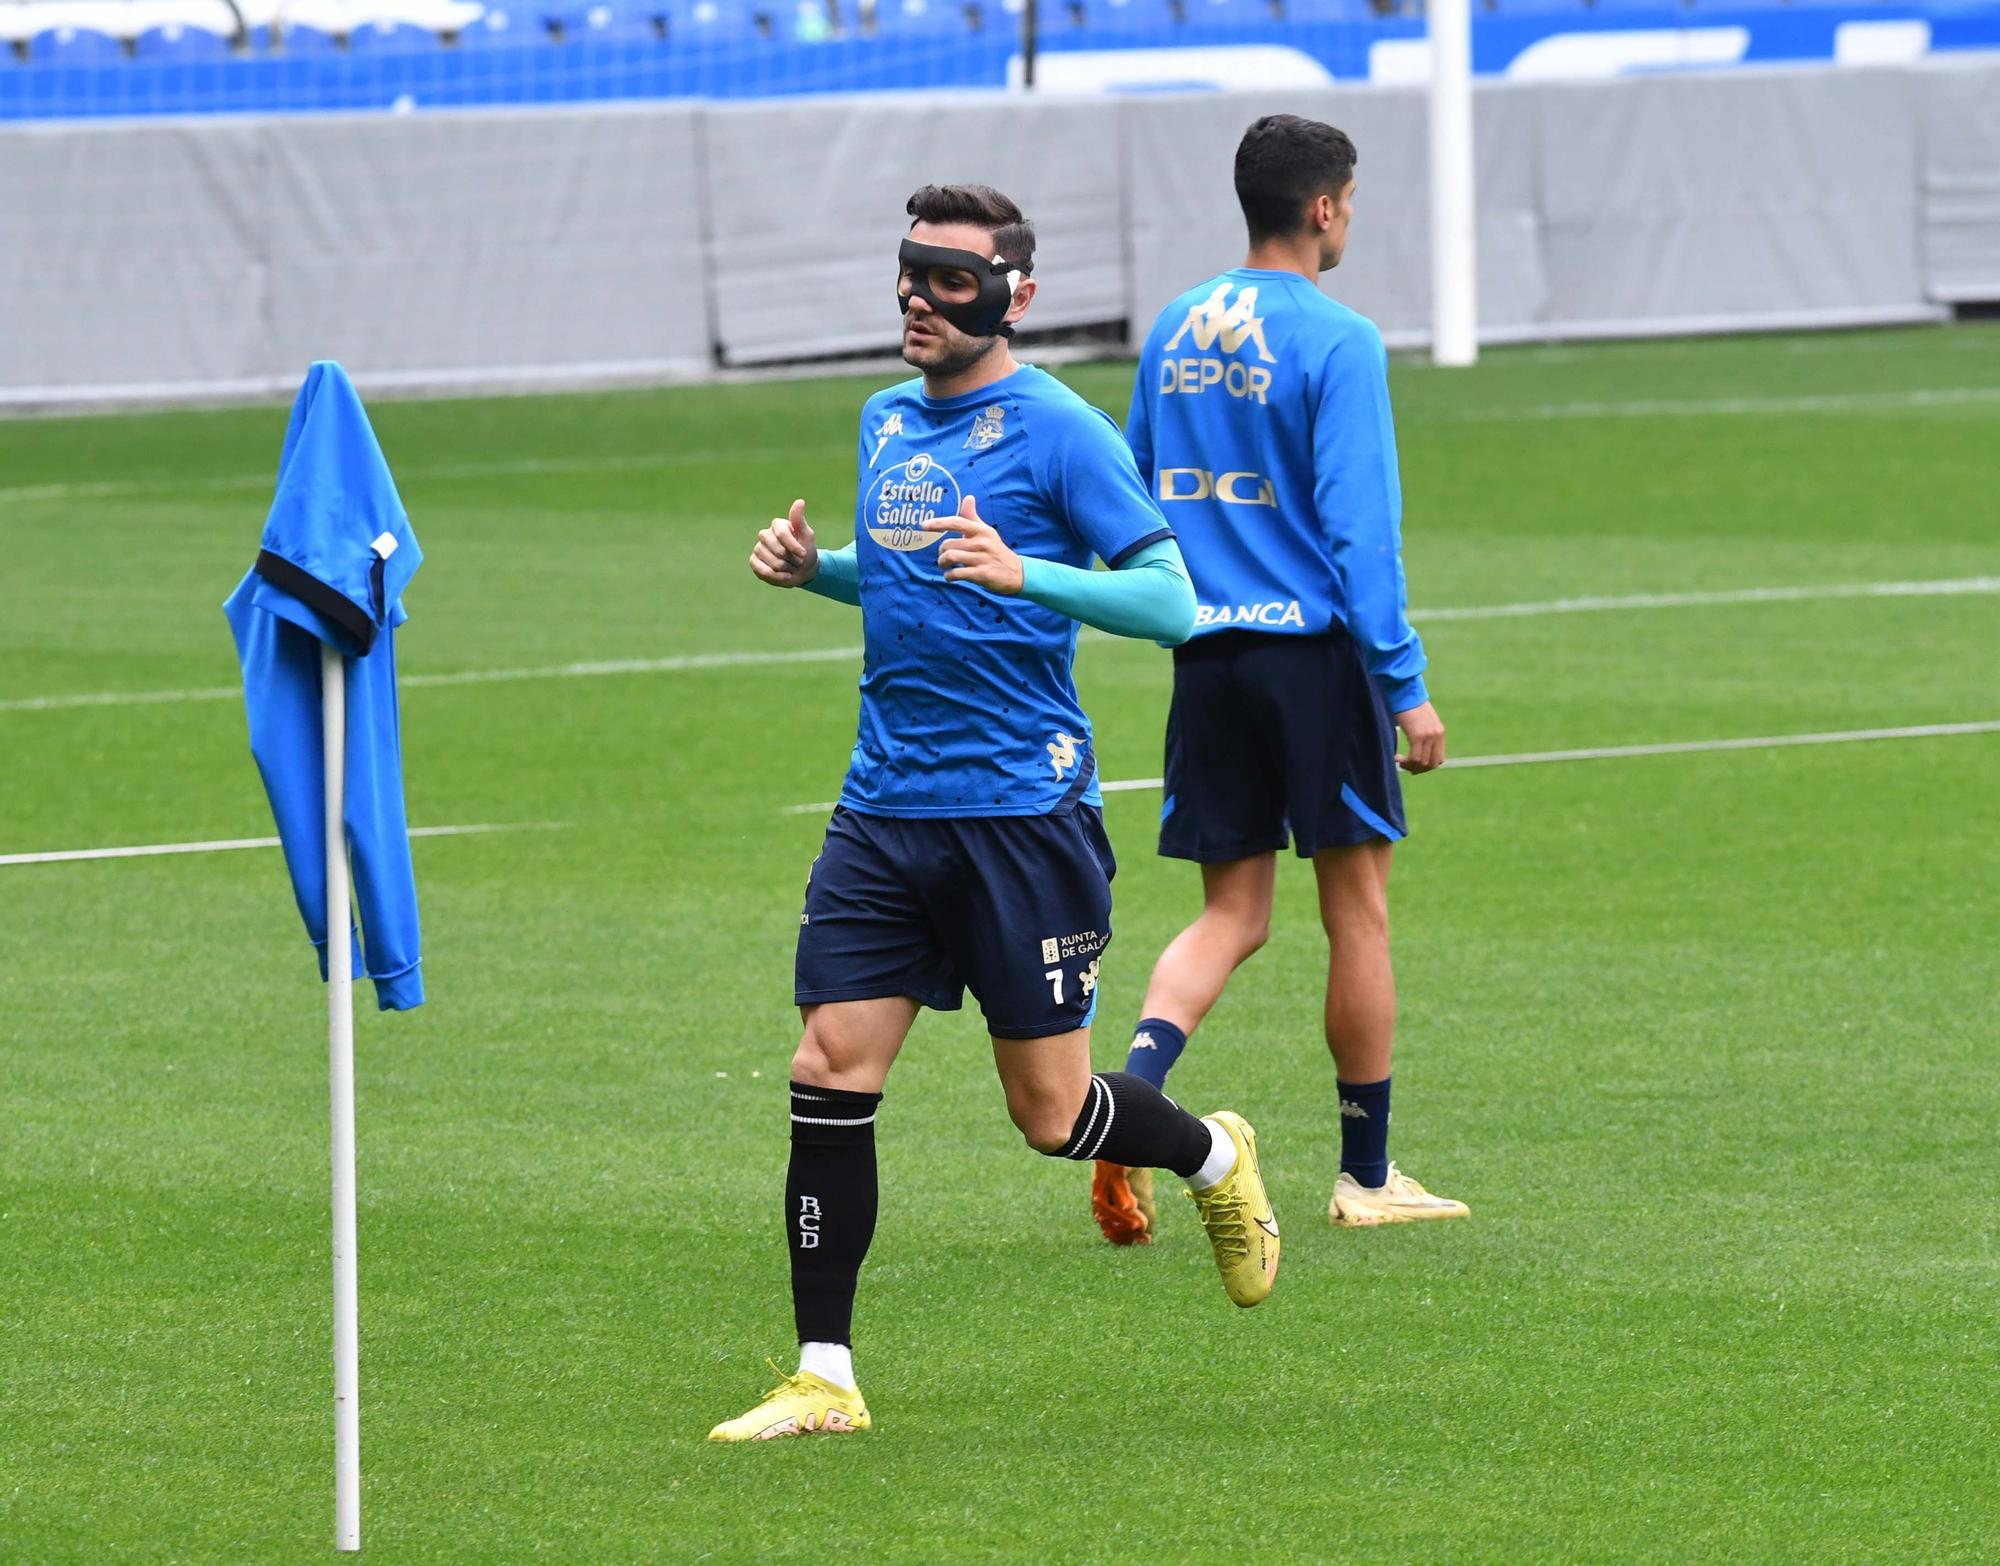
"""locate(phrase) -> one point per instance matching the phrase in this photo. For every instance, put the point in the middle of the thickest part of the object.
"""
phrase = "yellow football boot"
(1237, 1214)
(803, 1404)
(1121, 1200)
(1398, 1199)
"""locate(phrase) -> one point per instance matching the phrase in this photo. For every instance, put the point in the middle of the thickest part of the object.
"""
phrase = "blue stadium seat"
(1131, 16)
(921, 18)
(1344, 10)
(391, 38)
(1227, 13)
(308, 41)
(711, 21)
(501, 28)
(571, 19)
(175, 42)
(74, 46)
(806, 21)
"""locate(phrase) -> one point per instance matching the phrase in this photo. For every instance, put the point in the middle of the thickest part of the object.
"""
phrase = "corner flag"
(314, 621)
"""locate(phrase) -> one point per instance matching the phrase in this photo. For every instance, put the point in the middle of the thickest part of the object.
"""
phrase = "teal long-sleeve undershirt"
(1148, 596)
(838, 576)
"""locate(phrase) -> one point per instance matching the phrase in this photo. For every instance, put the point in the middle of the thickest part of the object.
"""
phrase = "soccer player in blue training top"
(968, 849)
(1261, 416)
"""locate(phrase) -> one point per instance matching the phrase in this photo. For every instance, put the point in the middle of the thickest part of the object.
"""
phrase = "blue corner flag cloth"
(336, 554)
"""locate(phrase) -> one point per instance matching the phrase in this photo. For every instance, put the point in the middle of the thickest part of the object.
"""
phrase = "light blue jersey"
(968, 707)
(1261, 419)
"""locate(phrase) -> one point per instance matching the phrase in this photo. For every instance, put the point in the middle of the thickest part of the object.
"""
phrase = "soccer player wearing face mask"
(968, 848)
(1261, 418)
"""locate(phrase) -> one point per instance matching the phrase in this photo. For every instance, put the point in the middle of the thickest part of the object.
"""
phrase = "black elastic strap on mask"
(982, 316)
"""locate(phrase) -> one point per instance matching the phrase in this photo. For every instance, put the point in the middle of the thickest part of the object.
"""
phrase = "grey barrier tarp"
(436, 246)
(1715, 202)
(1961, 181)
(131, 258)
(1185, 223)
(172, 260)
(806, 202)
(218, 258)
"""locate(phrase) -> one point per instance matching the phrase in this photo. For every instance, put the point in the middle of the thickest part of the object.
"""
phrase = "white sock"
(829, 1361)
(1221, 1159)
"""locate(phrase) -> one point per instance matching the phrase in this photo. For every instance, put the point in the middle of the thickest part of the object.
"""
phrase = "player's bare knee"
(1044, 1138)
(1361, 918)
(1044, 1124)
(1245, 928)
(824, 1057)
(810, 1064)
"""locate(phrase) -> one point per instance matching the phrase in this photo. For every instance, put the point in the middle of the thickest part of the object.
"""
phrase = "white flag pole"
(340, 1057)
(1454, 267)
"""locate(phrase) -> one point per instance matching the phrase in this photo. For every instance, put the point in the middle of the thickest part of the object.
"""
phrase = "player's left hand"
(977, 554)
(1424, 730)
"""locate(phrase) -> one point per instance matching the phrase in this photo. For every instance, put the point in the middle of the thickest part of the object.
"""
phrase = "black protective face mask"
(980, 316)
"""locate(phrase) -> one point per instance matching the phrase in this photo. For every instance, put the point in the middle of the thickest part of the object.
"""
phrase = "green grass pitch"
(1706, 1040)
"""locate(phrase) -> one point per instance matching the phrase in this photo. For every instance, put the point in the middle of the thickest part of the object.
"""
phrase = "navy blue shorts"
(1015, 908)
(1276, 738)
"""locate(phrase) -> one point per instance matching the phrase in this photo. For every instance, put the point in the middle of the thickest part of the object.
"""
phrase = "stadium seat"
(1339, 10)
(307, 41)
(809, 21)
(1227, 13)
(390, 38)
(1132, 16)
(500, 28)
(713, 21)
(921, 18)
(567, 20)
(74, 46)
(175, 42)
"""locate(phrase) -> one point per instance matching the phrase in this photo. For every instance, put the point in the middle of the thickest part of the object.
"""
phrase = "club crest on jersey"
(987, 429)
(905, 497)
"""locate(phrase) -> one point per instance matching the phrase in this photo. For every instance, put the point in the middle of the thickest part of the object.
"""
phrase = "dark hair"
(1282, 164)
(1013, 234)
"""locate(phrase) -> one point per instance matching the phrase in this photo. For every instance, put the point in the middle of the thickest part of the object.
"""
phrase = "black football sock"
(1126, 1120)
(829, 1206)
(1364, 1131)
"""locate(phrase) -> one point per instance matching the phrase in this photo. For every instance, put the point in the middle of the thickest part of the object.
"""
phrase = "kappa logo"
(1144, 1041)
(1087, 980)
(907, 496)
(1213, 324)
(1062, 753)
(893, 425)
(987, 429)
(1352, 1111)
(1215, 320)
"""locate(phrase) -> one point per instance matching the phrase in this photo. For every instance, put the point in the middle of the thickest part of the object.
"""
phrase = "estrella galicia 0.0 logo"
(907, 496)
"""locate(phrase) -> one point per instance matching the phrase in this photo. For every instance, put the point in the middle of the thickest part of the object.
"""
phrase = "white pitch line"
(230, 844)
(1702, 407)
(689, 662)
(1960, 587)
(1531, 758)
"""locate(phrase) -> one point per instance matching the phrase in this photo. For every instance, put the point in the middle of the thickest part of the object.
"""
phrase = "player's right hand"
(786, 555)
(1424, 730)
